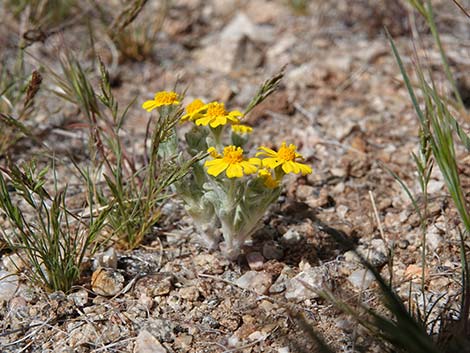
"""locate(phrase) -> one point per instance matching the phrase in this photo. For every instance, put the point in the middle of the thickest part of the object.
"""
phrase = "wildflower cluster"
(229, 191)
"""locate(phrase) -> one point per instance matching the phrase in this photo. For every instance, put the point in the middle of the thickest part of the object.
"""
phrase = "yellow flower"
(232, 161)
(286, 158)
(161, 98)
(242, 129)
(213, 152)
(193, 110)
(269, 181)
(216, 115)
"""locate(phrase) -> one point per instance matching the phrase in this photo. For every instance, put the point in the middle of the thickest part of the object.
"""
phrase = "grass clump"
(49, 238)
(133, 186)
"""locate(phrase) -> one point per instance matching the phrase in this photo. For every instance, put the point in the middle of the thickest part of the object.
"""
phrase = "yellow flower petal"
(220, 120)
(215, 167)
(149, 105)
(194, 110)
(271, 162)
(234, 171)
(203, 121)
(249, 168)
(213, 152)
(232, 161)
(290, 167)
(161, 98)
(286, 157)
(304, 169)
(266, 152)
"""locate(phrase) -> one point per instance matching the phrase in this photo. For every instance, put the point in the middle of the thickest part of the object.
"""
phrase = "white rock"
(435, 186)
(433, 237)
(80, 298)
(361, 278)
(107, 259)
(8, 285)
(341, 211)
(146, 343)
(283, 350)
(257, 281)
(307, 283)
(241, 26)
(233, 341)
(278, 53)
(291, 237)
(257, 336)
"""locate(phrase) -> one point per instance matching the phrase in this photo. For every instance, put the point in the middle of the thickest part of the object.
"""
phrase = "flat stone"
(433, 237)
(262, 11)
(146, 343)
(210, 264)
(107, 282)
(189, 293)
(303, 192)
(361, 278)
(184, 341)
(254, 280)
(82, 334)
(435, 186)
(8, 285)
(307, 283)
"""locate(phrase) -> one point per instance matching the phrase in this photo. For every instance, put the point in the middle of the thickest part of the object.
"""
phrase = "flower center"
(215, 109)
(286, 153)
(194, 106)
(233, 155)
(166, 98)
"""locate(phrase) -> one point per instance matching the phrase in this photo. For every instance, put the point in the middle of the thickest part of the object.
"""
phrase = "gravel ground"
(344, 104)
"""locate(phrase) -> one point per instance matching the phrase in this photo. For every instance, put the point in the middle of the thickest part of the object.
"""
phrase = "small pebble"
(146, 343)
(361, 279)
(403, 243)
(254, 280)
(107, 282)
(255, 260)
(189, 293)
(306, 284)
(107, 259)
(291, 237)
(184, 341)
(80, 298)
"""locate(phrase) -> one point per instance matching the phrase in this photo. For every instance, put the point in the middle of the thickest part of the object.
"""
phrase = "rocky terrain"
(342, 101)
